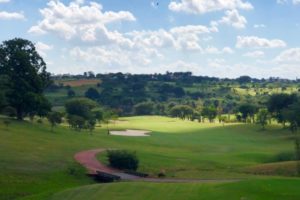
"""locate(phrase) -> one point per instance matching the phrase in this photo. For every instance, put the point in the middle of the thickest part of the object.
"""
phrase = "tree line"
(23, 80)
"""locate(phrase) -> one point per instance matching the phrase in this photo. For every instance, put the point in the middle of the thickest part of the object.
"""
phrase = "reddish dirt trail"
(89, 161)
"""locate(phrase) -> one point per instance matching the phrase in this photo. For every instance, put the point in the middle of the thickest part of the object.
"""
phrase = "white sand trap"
(131, 133)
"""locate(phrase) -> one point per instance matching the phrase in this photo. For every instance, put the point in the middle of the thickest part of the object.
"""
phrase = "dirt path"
(89, 161)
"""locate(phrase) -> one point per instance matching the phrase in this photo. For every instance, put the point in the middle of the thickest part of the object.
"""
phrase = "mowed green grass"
(274, 189)
(36, 163)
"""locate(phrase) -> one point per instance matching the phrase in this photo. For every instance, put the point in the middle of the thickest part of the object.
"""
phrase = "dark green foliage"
(122, 159)
(283, 156)
(83, 113)
(144, 108)
(182, 112)
(92, 93)
(54, 118)
(244, 79)
(247, 110)
(9, 111)
(71, 93)
(278, 102)
(209, 112)
(81, 107)
(26, 76)
(98, 114)
(291, 114)
(263, 117)
(76, 122)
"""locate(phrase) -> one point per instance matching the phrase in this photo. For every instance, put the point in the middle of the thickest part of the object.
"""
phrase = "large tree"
(247, 110)
(182, 112)
(26, 72)
(80, 113)
(210, 113)
(291, 114)
(277, 103)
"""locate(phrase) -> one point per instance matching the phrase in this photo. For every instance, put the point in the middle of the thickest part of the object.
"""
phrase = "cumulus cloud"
(254, 54)
(215, 50)
(232, 18)
(11, 15)
(289, 56)
(256, 42)
(42, 48)
(201, 7)
(180, 37)
(80, 21)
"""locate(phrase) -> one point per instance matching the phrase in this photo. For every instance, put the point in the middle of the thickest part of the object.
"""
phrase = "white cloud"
(259, 26)
(79, 21)
(256, 42)
(11, 15)
(214, 50)
(180, 38)
(4, 1)
(282, 1)
(232, 18)
(201, 6)
(254, 54)
(296, 2)
(42, 48)
(289, 56)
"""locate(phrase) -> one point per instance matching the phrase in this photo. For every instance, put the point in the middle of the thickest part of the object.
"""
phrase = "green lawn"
(275, 189)
(36, 163)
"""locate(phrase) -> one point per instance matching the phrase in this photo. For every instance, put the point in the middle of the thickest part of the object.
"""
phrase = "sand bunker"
(131, 133)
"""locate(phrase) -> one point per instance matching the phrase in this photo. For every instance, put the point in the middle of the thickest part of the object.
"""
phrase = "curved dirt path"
(89, 161)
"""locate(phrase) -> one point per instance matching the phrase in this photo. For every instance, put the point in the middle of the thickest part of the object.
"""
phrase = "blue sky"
(224, 38)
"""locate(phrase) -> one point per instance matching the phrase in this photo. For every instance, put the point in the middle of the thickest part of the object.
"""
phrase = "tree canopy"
(27, 77)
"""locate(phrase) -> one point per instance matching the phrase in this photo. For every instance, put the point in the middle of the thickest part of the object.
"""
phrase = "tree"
(81, 107)
(92, 93)
(76, 122)
(26, 73)
(277, 103)
(291, 114)
(182, 112)
(244, 79)
(80, 113)
(247, 110)
(210, 113)
(3, 90)
(71, 93)
(54, 118)
(144, 108)
(263, 117)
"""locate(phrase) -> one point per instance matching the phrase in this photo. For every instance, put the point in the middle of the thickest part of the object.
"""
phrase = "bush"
(9, 111)
(122, 159)
(283, 156)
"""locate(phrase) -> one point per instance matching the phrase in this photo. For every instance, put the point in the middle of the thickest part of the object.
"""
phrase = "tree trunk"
(19, 114)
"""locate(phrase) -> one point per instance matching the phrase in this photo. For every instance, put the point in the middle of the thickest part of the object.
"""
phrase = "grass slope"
(274, 189)
(35, 163)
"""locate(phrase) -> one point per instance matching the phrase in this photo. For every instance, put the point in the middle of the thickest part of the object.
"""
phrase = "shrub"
(123, 159)
(283, 156)
(9, 111)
